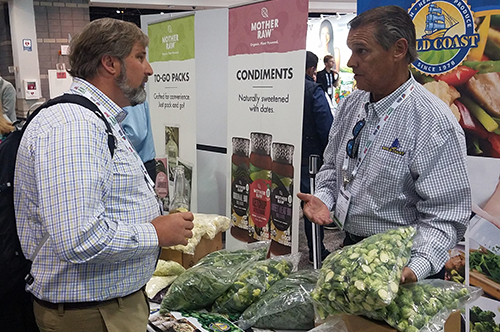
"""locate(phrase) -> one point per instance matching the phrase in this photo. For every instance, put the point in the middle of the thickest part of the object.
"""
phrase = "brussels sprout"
(366, 275)
(417, 304)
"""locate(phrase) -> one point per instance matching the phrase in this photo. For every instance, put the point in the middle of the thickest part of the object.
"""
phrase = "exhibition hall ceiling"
(315, 6)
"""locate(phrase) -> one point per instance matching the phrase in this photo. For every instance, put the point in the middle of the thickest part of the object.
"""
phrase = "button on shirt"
(415, 173)
(96, 209)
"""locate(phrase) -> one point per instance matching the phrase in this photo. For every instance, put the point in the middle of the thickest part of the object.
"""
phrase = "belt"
(81, 305)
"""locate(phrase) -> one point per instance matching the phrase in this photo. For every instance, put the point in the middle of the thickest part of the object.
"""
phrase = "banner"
(459, 60)
(266, 72)
(172, 99)
(328, 36)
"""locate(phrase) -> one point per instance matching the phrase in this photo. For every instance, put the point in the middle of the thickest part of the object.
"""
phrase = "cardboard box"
(202, 249)
(361, 324)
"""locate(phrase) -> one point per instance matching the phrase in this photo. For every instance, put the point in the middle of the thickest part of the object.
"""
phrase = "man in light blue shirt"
(137, 126)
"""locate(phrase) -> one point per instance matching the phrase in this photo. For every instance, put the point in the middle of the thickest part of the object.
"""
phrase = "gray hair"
(391, 23)
(101, 37)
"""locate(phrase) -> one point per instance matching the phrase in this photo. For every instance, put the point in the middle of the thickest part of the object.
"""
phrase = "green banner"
(172, 40)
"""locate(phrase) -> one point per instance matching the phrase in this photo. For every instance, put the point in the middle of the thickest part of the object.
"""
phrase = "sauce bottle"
(260, 188)
(240, 186)
(282, 199)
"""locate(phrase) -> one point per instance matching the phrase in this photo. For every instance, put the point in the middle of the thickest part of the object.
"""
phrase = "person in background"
(137, 127)
(98, 210)
(328, 77)
(8, 98)
(317, 120)
(6, 126)
(396, 155)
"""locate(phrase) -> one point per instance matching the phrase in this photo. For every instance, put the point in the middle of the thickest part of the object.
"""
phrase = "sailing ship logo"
(437, 22)
(445, 34)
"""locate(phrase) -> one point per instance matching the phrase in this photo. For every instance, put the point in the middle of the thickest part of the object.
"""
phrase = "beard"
(134, 95)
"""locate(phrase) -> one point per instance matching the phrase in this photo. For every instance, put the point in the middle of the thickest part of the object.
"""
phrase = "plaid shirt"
(96, 209)
(415, 173)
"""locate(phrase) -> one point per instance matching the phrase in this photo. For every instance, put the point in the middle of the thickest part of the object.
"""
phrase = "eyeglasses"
(351, 147)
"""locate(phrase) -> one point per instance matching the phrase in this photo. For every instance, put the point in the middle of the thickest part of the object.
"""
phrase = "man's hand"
(174, 229)
(408, 276)
(315, 210)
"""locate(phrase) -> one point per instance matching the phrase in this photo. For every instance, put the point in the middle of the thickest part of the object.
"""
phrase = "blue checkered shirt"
(96, 209)
(422, 181)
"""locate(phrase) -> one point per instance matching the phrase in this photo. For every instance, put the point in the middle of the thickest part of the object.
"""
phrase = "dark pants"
(151, 168)
(353, 239)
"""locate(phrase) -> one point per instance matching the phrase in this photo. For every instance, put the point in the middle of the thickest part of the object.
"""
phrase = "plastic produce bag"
(168, 268)
(331, 324)
(165, 273)
(201, 285)
(253, 282)
(287, 305)
(425, 306)
(363, 277)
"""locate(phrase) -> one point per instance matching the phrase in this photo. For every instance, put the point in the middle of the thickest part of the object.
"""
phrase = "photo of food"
(471, 89)
(168, 323)
(484, 315)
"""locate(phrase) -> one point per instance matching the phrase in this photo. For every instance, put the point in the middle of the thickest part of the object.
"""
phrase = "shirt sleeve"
(135, 125)
(9, 101)
(73, 182)
(441, 181)
(326, 179)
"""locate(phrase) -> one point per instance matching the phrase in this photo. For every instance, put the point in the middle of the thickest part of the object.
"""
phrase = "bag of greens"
(287, 305)
(253, 282)
(426, 305)
(363, 277)
(201, 285)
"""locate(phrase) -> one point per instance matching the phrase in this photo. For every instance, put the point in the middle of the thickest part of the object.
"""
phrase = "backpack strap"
(71, 99)
(82, 101)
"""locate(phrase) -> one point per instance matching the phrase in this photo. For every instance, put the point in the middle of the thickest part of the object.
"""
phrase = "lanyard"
(373, 136)
(117, 129)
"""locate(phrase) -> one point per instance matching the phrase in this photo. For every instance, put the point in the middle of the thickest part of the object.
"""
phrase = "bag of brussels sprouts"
(424, 306)
(198, 287)
(253, 282)
(287, 305)
(363, 277)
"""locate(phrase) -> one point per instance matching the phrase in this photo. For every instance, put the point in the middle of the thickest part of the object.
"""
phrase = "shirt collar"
(115, 110)
(383, 104)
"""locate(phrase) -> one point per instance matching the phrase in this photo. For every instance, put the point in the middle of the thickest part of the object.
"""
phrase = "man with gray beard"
(94, 213)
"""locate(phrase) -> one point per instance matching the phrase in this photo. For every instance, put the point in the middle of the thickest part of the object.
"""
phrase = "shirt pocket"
(389, 175)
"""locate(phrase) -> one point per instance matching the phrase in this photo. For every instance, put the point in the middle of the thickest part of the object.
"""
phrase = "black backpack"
(17, 313)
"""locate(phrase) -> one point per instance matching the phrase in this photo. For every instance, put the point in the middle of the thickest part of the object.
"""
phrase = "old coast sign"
(445, 34)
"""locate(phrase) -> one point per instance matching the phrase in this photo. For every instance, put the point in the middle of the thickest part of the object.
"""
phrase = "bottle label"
(239, 189)
(281, 209)
(260, 208)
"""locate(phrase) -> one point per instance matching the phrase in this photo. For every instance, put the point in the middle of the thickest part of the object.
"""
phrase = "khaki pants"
(125, 314)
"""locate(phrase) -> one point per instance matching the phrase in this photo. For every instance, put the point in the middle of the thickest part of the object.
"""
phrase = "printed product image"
(260, 188)
(282, 199)
(161, 185)
(240, 186)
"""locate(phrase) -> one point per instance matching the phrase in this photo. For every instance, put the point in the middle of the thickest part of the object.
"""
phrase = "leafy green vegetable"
(365, 276)
(485, 262)
(287, 305)
(424, 304)
(483, 321)
(256, 279)
(201, 285)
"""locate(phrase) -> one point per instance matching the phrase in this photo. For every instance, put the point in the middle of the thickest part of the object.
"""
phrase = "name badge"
(342, 207)
(330, 90)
